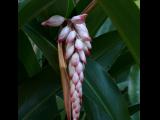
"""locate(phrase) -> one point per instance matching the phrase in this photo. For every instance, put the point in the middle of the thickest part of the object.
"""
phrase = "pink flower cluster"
(77, 42)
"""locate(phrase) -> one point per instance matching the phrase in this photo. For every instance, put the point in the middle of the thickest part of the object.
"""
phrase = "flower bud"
(74, 97)
(72, 88)
(77, 99)
(79, 19)
(75, 59)
(88, 44)
(81, 76)
(82, 56)
(79, 44)
(71, 36)
(76, 102)
(80, 92)
(54, 21)
(87, 52)
(71, 69)
(79, 68)
(64, 33)
(74, 115)
(75, 78)
(78, 86)
(69, 50)
(77, 109)
(83, 32)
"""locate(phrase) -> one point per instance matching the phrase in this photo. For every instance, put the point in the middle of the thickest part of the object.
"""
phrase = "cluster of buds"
(75, 36)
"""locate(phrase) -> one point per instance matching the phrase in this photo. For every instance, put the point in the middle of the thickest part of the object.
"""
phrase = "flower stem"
(89, 7)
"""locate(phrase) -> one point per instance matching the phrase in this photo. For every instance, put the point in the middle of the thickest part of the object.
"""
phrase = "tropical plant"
(111, 88)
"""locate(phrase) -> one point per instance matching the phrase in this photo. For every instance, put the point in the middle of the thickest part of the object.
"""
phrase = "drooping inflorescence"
(75, 37)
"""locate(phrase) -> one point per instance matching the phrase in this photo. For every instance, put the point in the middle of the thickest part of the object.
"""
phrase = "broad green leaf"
(107, 26)
(38, 52)
(134, 88)
(99, 87)
(83, 116)
(134, 84)
(36, 24)
(48, 49)
(137, 2)
(121, 68)
(81, 5)
(29, 9)
(94, 24)
(22, 73)
(60, 105)
(135, 111)
(93, 111)
(60, 7)
(46, 110)
(125, 96)
(126, 17)
(36, 97)
(26, 55)
(70, 7)
(107, 48)
(134, 108)
(136, 116)
(122, 85)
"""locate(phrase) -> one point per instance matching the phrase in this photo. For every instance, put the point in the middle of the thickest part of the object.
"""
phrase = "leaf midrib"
(101, 101)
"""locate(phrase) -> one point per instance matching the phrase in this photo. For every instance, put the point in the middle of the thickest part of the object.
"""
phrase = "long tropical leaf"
(101, 89)
(126, 18)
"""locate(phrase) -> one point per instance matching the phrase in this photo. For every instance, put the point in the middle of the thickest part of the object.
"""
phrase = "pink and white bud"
(54, 21)
(74, 115)
(79, 68)
(75, 59)
(72, 88)
(63, 34)
(82, 31)
(82, 56)
(88, 44)
(76, 104)
(78, 86)
(81, 77)
(79, 44)
(69, 50)
(75, 78)
(81, 27)
(77, 109)
(79, 19)
(87, 52)
(77, 101)
(76, 112)
(73, 104)
(68, 45)
(74, 98)
(71, 36)
(71, 70)
(80, 92)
